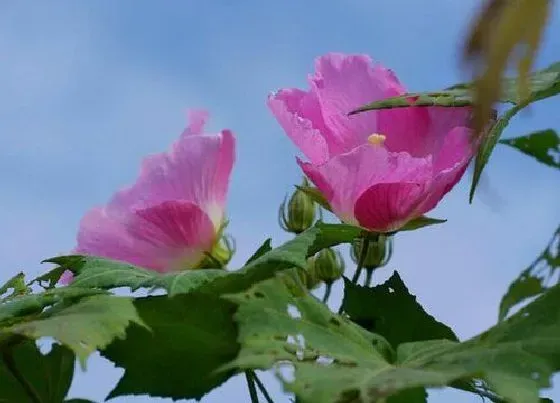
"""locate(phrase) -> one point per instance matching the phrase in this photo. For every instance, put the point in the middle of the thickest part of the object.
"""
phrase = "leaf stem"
(12, 367)
(328, 289)
(262, 388)
(249, 375)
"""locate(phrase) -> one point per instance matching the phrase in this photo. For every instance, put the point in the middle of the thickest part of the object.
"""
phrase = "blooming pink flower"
(378, 169)
(173, 214)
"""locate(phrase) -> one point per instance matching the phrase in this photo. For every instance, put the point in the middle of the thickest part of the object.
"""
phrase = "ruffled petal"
(300, 117)
(170, 236)
(386, 207)
(345, 177)
(196, 169)
(343, 83)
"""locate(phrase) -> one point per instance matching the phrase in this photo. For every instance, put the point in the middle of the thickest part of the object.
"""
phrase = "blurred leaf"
(543, 145)
(190, 336)
(88, 325)
(16, 284)
(504, 28)
(49, 376)
(533, 280)
(487, 143)
(264, 248)
(391, 311)
(96, 272)
(337, 361)
(79, 401)
(293, 253)
(316, 195)
(51, 278)
(34, 303)
(421, 222)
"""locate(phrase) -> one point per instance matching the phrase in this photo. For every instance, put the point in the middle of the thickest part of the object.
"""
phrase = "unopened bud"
(378, 253)
(299, 213)
(328, 265)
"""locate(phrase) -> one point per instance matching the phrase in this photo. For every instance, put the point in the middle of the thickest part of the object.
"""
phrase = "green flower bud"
(296, 280)
(299, 213)
(221, 254)
(378, 254)
(328, 265)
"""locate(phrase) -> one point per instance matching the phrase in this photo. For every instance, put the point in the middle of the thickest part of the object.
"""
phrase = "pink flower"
(377, 169)
(173, 214)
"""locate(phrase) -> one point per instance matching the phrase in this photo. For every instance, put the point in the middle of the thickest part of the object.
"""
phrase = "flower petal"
(386, 207)
(343, 83)
(345, 177)
(450, 164)
(196, 169)
(170, 236)
(300, 116)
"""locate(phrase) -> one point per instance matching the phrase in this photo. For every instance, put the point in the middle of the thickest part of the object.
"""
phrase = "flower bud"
(299, 214)
(221, 254)
(378, 254)
(328, 265)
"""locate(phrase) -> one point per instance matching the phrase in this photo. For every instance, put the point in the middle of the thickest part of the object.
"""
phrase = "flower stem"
(262, 388)
(249, 375)
(328, 288)
(369, 273)
(12, 367)
(363, 254)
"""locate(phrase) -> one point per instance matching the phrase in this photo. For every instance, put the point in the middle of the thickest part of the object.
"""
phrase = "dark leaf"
(543, 145)
(391, 311)
(190, 337)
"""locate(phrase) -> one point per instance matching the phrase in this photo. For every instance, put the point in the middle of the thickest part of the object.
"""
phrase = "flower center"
(376, 139)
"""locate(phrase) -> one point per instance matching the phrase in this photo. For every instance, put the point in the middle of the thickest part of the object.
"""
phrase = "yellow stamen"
(376, 139)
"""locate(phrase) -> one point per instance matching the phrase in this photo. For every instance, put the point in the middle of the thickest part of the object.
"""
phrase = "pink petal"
(343, 83)
(170, 236)
(196, 169)
(386, 207)
(299, 115)
(450, 164)
(345, 177)
(197, 119)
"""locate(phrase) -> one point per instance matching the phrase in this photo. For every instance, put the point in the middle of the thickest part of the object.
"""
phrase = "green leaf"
(48, 376)
(391, 311)
(34, 303)
(533, 280)
(455, 97)
(96, 272)
(16, 284)
(337, 361)
(264, 248)
(543, 145)
(487, 143)
(190, 336)
(293, 253)
(51, 278)
(315, 195)
(421, 222)
(90, 324)
(543, 84)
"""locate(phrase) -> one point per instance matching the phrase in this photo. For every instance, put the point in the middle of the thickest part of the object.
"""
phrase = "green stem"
(262, 388)
(328, 288)
(27, 387)
(369, 272)
(363, 254)
(249, 375)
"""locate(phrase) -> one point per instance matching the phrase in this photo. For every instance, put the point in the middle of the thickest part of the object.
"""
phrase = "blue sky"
(89, 88)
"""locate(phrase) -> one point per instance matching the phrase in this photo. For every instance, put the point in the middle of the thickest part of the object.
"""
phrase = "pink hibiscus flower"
(174, 212)
(377, 169)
